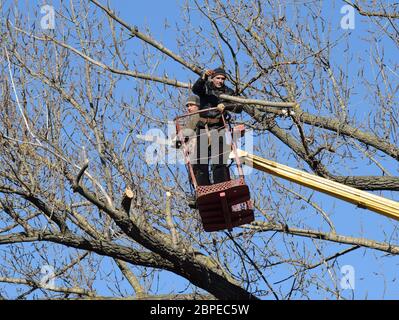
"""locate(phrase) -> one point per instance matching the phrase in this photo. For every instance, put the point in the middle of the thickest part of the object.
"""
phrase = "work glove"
(221, 107)
(207, 73)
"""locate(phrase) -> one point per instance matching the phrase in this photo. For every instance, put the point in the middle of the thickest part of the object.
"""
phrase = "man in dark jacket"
(209, 87)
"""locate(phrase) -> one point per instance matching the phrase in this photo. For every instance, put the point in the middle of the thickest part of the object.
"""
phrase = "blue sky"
(370, 268)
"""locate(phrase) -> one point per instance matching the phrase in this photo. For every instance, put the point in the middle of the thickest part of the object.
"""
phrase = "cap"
(218, 72)
(193, 99)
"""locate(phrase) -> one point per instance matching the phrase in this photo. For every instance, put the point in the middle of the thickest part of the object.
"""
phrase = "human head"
(218, 77)
(193, 103)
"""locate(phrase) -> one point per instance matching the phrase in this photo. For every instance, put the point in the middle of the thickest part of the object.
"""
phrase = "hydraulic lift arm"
(358, 197)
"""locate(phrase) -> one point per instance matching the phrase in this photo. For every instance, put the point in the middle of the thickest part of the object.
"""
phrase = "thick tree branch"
(360, 182)
(183, 258)
(349, 131)
(37, 285)
(101, 247)
(380, 14)
(192, 296)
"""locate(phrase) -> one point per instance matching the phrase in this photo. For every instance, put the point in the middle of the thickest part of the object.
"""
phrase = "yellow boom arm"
(358, 197)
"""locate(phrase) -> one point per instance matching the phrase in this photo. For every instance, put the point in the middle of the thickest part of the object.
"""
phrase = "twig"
(81, 172)
(313, 204)
(336, 255)
(254, 265)
(17, 99)
(134, 31)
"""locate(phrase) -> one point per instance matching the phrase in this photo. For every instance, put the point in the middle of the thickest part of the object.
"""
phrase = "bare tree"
(75, 186)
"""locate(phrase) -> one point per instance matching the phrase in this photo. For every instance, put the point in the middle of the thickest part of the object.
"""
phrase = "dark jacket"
(209, 98)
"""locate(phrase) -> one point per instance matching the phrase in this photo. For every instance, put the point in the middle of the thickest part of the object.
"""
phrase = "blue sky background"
(375, 271)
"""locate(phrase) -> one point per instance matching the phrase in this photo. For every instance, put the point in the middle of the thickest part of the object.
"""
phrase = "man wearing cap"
(189, 127)
(209, 87)
(189, 132)
(193, 105)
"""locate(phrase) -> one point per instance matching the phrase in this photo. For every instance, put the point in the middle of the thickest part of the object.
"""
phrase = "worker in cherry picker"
(189, 128)
(208, 88)
(189, 135)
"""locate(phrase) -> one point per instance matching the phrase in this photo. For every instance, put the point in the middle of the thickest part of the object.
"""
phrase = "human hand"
(220, 107)
(207, 73)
